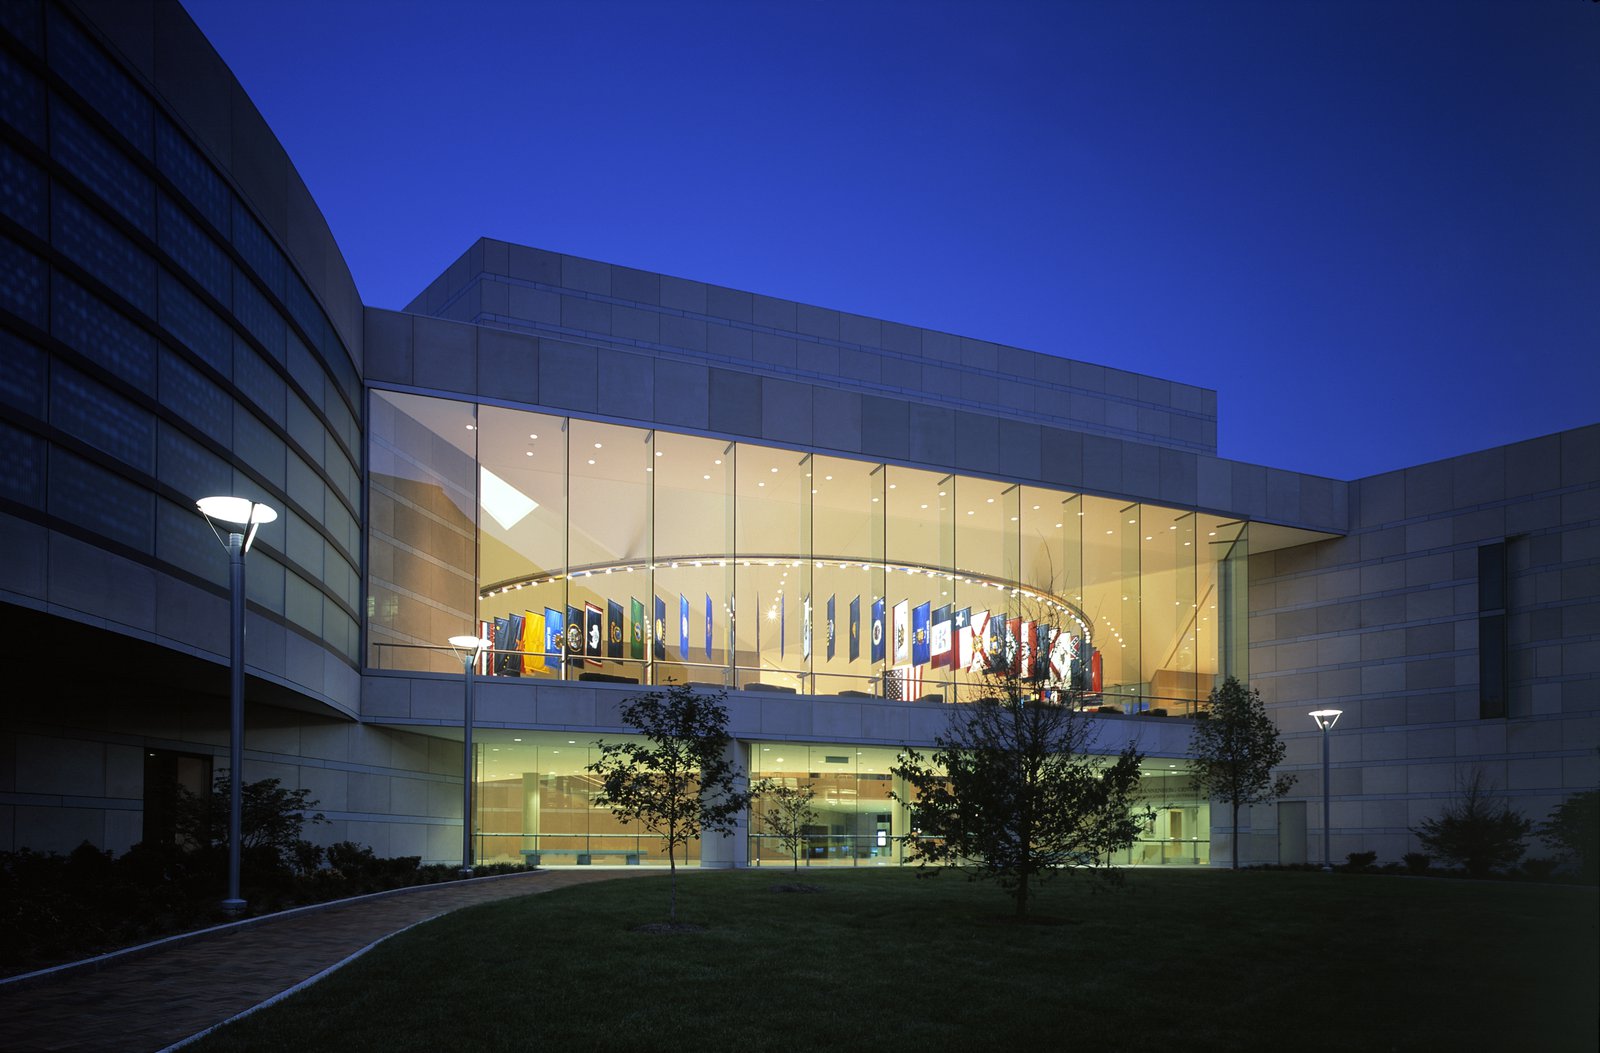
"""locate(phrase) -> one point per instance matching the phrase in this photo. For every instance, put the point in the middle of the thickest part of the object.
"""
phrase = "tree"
(271, 820)
(1234, 751)
(678, 783)
(1012, 793)
(1476, 829)
(1574, 827)
(786, 812)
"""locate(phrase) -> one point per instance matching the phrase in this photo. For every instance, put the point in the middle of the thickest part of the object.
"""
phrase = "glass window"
(693, 481)
(192, 249)
(97, 247)
(848, 545)
(422, 545)
(195, 326)
(102, 419)
(192, 174)
(22, 282)
(120, 511)
(22, 191)
(93, 75)
(82, 321)
(21, 94)
(772, 537)
(103, 168)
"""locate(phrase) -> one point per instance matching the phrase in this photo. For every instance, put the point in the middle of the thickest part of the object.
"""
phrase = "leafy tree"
(786, 812)
(1574, 827)
(1234, 751)
(271, 820)
(678, 782)
(1476, 830)
(1013, 795)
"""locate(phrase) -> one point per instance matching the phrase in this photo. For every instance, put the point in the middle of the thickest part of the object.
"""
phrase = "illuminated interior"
(602, 552)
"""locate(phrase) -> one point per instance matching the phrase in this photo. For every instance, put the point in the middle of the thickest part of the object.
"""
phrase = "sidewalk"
(149, 1001)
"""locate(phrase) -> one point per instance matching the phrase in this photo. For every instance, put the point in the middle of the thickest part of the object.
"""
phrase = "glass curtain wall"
(857, 821)
(596, 551)
(534, 802)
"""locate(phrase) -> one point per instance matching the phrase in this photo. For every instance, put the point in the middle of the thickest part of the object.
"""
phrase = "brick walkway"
(151, 1000)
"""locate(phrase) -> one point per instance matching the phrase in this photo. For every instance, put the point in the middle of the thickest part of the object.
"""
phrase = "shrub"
(1417, 862)
(1360, 860)
(1574, 828)
(1476, 830)
(1539, 869)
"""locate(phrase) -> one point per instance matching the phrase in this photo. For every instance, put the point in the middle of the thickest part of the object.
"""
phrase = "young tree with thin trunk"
(1477, 829)
(1234, 751)
(1013, 794)
(786, 812)
(677, 782)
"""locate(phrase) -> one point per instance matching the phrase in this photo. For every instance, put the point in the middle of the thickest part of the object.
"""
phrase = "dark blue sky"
(1374, 228)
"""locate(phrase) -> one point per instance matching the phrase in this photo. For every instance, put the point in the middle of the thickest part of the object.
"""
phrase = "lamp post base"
(234, 907)
(465, 872)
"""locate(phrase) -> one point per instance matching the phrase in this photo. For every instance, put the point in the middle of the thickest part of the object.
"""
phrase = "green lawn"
(1174, 959)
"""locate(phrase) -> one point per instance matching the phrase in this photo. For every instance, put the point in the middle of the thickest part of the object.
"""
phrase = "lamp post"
(1326, 719)
(467, 648)
(243, 518)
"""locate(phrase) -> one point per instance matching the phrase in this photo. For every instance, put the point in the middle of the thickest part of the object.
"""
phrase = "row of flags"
(907, 638)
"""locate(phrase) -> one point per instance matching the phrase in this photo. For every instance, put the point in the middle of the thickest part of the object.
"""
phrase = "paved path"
(151, 1000)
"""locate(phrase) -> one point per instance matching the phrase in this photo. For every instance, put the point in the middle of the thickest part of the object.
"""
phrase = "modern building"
(631, 479)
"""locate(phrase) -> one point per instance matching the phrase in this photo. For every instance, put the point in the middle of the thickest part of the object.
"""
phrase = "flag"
(1013, 646)
(1063, 650)
(636, 613)
(1096, 673)
(919, 635)
(902, 632)
(903, 683)
(554, 637)
(877, 631)
(532, 643)
(708, 626)
(614, 629)
(574, 635)
(805, 628)
(855, 628)
(978, 633)
(829, 641)
(511, 660)
(660, 637)
(939, 643)
(593, 646)
(504, 644)
(683, 626)
(484, 666)
(961, 638)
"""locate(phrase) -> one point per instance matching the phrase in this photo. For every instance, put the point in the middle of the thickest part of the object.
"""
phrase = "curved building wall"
(175, 321)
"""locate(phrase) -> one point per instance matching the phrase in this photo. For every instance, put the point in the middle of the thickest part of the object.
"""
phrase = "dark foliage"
(1417, 862)
(1360, 860)
(1234, 751)
(56, 908)
(1476, 830)
(1574, 828)
(1012, 793)
(679, 782)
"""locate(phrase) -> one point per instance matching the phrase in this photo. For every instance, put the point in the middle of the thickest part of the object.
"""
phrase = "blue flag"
(919, 634)
(708, 626)
(683, 626)
(877, 631)
(554, 636)
(855, 628)
(660, 634)
(830, 628)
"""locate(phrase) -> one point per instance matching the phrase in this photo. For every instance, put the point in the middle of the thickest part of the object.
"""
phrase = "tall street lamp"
(243, 518)
(1326, 719)
(468, 649)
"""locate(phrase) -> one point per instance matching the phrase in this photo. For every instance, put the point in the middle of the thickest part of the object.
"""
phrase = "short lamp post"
(242, 518)
(468, 649)
(1326, 719)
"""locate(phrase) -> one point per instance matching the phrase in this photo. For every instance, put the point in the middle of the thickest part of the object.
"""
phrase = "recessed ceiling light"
(597, 446)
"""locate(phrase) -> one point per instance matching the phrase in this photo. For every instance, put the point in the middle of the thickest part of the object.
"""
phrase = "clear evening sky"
(1374, 228)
